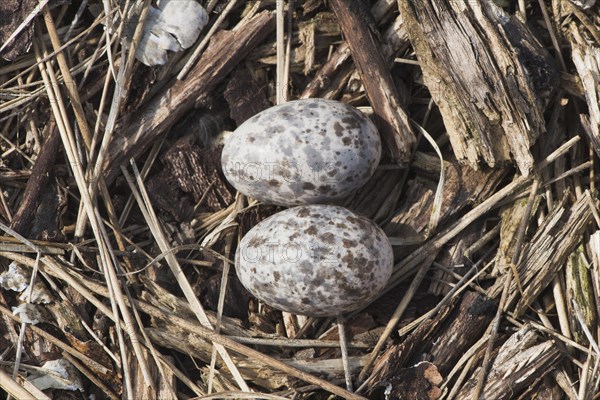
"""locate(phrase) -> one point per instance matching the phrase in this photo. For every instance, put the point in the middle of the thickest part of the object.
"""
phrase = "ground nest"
(119, 228)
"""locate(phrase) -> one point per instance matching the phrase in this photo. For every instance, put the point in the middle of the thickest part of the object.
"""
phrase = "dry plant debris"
(119, 228)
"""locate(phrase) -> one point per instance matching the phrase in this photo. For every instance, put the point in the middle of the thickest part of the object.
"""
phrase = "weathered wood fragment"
(465, 327)
(580, 295)
(397, 356)
(520, 362)
(487, 73)
(165, 386)
(546, 253)
(391, 118)
(511, 217)
(393, 40)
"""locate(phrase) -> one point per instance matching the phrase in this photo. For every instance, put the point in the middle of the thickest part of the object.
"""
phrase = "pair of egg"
(315, 259)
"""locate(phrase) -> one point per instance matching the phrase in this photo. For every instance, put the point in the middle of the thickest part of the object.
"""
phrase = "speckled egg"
(302, 152)
(315, 260)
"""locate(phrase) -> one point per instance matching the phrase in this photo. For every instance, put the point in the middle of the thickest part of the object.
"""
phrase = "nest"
(119, 228)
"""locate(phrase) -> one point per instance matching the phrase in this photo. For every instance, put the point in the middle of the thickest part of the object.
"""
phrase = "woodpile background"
(118, 228)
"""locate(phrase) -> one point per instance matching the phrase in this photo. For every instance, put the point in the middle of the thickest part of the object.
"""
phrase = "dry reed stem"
(143, 202)
(99, 232)
(53, 268)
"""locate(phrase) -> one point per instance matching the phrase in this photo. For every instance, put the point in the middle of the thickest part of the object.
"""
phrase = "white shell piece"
(16, 278)
(30, 313)
(61, 374)
(40, 295)
(174, 26)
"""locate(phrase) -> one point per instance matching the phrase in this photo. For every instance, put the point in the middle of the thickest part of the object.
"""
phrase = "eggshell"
(315, 260)
(302, 152)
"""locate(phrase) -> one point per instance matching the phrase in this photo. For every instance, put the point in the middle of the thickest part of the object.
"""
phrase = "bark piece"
(167, 196)
(197, 172)
(463, 329)
(488, 75)
(244, 96)
(419, 382)
(358, 27)
(38, 181)
(396, 356)
(13, 13)
(520, 362)
(546, 253)
(226, 50)
(47, 222)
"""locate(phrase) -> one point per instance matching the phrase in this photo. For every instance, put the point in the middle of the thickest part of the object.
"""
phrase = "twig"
(280, 33)
(344, 350)
(383, 95)
(220, 306)
(494, 328)
(58, 109)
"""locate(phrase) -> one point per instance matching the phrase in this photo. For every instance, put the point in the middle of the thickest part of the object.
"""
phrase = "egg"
(306, 151)
(315, 260)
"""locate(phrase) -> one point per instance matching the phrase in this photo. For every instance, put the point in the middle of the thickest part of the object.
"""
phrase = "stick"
(375, 74)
